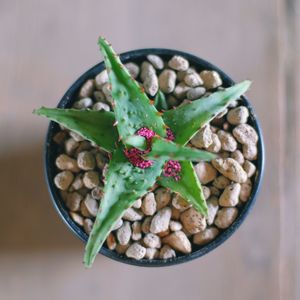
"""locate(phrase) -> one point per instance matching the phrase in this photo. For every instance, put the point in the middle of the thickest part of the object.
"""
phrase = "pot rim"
(49, 168)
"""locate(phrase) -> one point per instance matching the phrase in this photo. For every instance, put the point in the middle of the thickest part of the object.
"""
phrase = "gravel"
(162, 224)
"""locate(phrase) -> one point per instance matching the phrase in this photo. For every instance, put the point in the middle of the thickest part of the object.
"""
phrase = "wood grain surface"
(46, 45)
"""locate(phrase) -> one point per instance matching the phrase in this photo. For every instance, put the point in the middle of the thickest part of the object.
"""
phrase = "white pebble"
(136, 251)
(178, 63)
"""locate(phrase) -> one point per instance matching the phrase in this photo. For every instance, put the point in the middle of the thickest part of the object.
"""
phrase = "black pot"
(52, 149)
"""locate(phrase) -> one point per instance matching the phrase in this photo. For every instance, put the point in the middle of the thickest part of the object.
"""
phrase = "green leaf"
(95, 126)
(187, 119)
(160, 101)
(169, 150)
(188, 187)
(137, 142)
(124, 185)
(132, 107)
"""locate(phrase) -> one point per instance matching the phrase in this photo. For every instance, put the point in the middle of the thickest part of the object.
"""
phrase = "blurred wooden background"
(46, 45)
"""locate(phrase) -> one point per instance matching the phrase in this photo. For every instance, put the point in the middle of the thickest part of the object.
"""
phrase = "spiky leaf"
(131, 105)
(188, 187)
(169, 150)
(124, 184)
(95, 126)
(187, 119)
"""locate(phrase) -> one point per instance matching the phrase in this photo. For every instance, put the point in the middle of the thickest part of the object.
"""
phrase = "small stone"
(117, 225)
(228, 143)
(231, 169)
(151, 84)
(63, 180)
(111, 242)
(149, 204)
(83, 103)
(238, 115)
(88, 225)
(65, 162)
(99, 96)
(162, 197)
(225, 217)
(193, 221)
(89, 206)
(77, 184)
(213, 207)
(182, 74)
(146, 225)
(133, 69)
(151, 253)
(124, 233)
(76, 136)
(70, 146)
(178, 241)
(59, 137)
(132, 215)
(87, 89)
(136, 251)
(246, 189)
(101, 79)
(221, 182)
(161, 220)
(166, 252)
(156, 61)
(83, 146)
(167, 81)
(91, 179)
(206, 192)
(136, 231)
(121, 249)
(193, 80)
(180, 203)
(175, 226)
(152, 240)
(137, 204)
(73, 201)
(164, 233)
(214, 191)
(215, 146)
(101, 106)
(250, 168)
(181, 90)
(245, 134)
(205, 236)
(211, 79)
(205, 172)
(230, 196)
(97, 193)
(106, 89)
(250, 151)
(101, 160)
(238, 156)
(86, 161)
(147, 70)
(78, 219)
(178, 63)
(195, 93)
(175, 213)
(203, 138)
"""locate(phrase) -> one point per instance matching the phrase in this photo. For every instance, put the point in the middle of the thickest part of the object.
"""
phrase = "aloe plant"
(146, 145)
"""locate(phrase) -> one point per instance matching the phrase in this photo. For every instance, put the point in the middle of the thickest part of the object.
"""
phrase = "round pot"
(52, 149)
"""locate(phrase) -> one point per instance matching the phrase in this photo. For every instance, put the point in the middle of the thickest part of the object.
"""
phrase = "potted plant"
(158, 158)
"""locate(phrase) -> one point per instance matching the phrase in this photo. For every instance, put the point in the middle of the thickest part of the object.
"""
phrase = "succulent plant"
(146, 145)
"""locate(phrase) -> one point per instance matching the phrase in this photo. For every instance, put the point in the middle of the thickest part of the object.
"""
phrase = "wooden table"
(46, 45)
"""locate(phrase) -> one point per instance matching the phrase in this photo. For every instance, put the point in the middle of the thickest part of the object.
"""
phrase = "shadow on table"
(29, 222)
